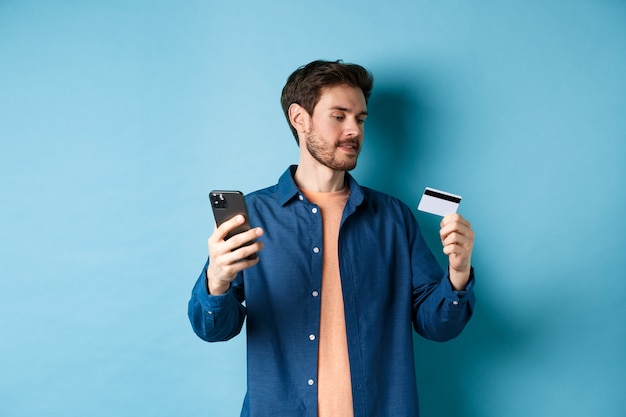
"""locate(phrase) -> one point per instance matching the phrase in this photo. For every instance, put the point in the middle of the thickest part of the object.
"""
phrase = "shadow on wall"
(399, 137)
(390, 138)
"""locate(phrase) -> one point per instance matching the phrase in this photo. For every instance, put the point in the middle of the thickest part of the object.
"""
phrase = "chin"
(344, 167)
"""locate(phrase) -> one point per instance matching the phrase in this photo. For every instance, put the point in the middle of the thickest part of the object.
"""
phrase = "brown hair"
(305, 85)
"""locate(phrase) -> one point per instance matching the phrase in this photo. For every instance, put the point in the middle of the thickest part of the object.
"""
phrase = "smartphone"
(226, 205)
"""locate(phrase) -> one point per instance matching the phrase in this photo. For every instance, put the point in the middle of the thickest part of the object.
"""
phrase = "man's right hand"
(228, 257)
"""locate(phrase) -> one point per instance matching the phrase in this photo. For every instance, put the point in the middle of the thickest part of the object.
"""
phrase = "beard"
(326, 152)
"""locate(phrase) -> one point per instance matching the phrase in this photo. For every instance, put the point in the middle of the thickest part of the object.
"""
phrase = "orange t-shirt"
(333, 373)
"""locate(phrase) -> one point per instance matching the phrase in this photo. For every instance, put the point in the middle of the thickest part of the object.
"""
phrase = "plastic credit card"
(439, 202)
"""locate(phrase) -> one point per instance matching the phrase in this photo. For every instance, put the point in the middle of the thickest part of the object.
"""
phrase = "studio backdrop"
(117, 118)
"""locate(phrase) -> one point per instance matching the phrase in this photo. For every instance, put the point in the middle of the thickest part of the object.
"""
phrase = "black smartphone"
(226, 205)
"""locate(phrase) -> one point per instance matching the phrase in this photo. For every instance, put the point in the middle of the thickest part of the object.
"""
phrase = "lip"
(349, 147)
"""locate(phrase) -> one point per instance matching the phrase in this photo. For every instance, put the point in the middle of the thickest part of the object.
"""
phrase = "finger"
(243, 238)
(456, 238)
(458, 257)
(228, 226)
(456, 248)
(461, 227)
(230, 251)
(242, 253)
(454, 218)
(223, 275)
(452, 235)
(232, 263)
(226, 264)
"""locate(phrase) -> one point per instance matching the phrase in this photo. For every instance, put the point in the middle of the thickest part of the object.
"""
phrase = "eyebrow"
(364, 112)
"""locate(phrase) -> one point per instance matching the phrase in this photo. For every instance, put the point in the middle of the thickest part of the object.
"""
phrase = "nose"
(353, 128)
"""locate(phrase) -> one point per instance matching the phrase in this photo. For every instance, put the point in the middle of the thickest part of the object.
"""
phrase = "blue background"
(117, 118)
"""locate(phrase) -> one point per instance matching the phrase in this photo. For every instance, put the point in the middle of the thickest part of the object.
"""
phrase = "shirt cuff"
(211, 302)
(459, 296)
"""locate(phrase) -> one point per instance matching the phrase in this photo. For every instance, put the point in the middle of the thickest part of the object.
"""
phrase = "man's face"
(337, 125)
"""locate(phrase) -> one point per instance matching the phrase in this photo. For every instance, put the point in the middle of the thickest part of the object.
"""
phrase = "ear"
(299, 118)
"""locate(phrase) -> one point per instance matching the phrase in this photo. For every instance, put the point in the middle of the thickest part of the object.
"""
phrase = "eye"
(338, 117)
(360, 121)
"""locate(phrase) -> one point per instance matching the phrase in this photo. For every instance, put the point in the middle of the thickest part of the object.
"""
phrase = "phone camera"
(219, 201)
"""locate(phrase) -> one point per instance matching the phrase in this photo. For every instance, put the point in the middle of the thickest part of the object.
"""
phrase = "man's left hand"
(457, 238)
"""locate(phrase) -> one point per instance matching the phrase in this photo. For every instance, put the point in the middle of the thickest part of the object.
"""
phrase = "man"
(344, 274)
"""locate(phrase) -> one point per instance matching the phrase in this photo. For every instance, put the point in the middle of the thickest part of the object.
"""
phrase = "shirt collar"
(288, 190)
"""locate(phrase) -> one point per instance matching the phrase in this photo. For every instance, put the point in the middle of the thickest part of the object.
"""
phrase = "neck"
(319, 178)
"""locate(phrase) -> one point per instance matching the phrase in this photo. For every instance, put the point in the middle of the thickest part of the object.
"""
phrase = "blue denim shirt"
(391, 283)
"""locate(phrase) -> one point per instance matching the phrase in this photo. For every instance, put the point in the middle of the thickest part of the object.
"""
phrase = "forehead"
(343, 96)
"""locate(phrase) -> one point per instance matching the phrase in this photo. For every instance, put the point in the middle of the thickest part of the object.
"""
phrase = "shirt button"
(314, 210)
(316, 250)
(315, 293)
(311, 337)
(311, 382)
(456, 303)
(300, 197)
